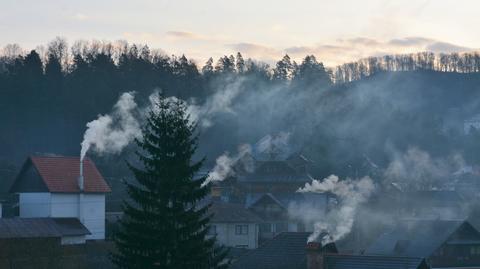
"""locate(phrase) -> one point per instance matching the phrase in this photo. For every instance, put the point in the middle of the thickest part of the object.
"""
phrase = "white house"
(234, 226)
(52, 187)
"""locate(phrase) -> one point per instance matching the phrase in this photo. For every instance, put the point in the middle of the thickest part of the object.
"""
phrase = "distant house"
(274, 215)
(445, 243)
(290, 250)
(274, 210)
(275, 175)
(234, 226)
(48, 187)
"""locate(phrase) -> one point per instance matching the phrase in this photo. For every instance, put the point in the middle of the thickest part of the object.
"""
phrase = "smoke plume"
(111, 133)
(415, 169)
(219, 102)
(339, 221)
(226, 166)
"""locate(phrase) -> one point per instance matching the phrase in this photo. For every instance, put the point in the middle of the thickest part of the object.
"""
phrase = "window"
(241, 229)
(265, 228)
(475, 250)
(213, 230)
(281, 227)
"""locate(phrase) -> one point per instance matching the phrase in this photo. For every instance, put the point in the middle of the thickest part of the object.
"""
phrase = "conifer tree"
(164, 225)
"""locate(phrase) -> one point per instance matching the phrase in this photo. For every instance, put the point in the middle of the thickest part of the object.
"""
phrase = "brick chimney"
(316, 254)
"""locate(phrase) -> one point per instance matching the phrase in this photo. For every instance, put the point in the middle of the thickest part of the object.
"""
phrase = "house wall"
(34, 205)
(91, 213)
(64, 205)
(226, 235)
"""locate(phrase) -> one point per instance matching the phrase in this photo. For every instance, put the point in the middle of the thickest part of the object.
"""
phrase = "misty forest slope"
(338, 126)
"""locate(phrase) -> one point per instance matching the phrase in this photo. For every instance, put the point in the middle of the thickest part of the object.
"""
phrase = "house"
(290, 250)
(66, 231)
(234, 225)
(273, 213)
(279, 211)
(284, 251)
(274, 176)
(51, 187)
(444, 243)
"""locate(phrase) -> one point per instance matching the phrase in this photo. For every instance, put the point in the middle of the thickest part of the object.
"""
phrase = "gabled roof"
(255, 198)
(284, 251)
(230, 212)
(60, 174)
(335, 261)
(40, 227)
(415, 237)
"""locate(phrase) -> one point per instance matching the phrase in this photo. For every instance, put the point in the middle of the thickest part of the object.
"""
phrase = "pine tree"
(164, 226)
(240, 63)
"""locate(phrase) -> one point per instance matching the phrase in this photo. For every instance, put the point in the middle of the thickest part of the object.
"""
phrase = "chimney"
(80, 177)
(316, 254)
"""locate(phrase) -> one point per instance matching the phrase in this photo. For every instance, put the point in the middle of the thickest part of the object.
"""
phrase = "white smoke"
(270, 143)
(415, 169)
(111, 133)
(338, 222)
(220, 102)
(225, 164)
(203, 114)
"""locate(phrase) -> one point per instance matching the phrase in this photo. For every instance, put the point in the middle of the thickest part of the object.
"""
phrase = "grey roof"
(231, 212)
(288, 251)
(435, 198)
(284, 251)
(253, 198)
(70, 226)
(40, 227)
(274, 171)
(414, 238)
(318, 200)
(335, 261)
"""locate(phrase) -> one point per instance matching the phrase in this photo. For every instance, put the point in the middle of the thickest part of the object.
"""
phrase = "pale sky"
(335, 31)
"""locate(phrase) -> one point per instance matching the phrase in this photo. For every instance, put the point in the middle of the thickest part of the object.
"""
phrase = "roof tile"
(60, 174)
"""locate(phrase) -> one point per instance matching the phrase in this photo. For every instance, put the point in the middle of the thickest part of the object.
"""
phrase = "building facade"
(47, 187)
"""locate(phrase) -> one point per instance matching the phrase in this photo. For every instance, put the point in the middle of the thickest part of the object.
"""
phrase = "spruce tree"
(164, 225)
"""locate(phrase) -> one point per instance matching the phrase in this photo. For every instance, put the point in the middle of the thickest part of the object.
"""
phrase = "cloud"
(181, 35)
(445, 47)
(410, 41)
(347, 50)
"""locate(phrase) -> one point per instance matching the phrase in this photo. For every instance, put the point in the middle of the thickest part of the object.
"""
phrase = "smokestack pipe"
(80, 177)
(316, 252)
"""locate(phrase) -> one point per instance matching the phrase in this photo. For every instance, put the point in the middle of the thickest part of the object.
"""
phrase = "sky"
(335, 31)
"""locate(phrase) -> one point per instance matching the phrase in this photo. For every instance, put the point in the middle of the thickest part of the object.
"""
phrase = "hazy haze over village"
(240, 134)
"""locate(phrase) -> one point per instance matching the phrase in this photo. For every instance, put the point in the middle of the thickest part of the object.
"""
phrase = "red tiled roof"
(60, 174)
